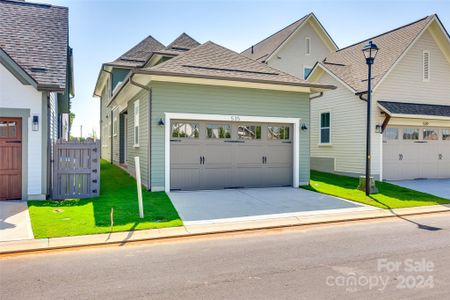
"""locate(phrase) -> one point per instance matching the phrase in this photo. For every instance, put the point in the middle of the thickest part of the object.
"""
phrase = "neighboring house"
(205, 117)
(411, 106)
(296, 48)
(36, 85)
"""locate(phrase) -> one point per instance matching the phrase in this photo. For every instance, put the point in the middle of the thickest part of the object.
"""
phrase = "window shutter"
(426, 65)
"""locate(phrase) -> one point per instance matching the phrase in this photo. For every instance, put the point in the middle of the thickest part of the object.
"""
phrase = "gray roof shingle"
(138, 55)
(265, 48)
(183, 43)
(405, 108)
(349, 64)
(35, 36)
(210, 60)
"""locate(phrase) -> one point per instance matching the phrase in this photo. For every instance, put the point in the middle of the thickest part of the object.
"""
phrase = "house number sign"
(235, 118)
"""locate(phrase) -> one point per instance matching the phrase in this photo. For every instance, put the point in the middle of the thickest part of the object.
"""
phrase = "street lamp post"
(370, 51)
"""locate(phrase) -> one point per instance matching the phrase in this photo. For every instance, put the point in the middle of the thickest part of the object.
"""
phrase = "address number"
(235, 118)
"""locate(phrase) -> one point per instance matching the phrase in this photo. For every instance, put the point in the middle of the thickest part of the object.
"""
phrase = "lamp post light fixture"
(370, 51)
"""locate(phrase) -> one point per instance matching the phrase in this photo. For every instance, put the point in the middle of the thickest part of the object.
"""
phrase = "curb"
(187, 231)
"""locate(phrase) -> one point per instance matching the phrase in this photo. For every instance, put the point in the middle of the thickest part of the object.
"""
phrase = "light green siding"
(143, 150)
(184, 98)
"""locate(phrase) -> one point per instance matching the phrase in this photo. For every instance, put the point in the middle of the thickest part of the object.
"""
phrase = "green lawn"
(388, 196)
(89, 216)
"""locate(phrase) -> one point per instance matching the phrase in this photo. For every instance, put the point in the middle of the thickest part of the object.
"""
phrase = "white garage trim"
(230, 118)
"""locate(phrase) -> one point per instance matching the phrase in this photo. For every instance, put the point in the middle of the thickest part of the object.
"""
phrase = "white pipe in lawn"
(139, 188)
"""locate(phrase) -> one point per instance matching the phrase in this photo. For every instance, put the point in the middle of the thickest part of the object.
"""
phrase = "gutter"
(174, 74)
(149, 124)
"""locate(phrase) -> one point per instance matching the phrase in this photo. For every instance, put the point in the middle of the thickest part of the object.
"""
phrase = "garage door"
(416, 152)
(217, 155)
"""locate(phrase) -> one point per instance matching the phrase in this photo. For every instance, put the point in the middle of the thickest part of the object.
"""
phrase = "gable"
(292, 57)
(405, 80)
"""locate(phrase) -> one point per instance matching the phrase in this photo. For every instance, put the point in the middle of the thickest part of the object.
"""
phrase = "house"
(296, 48)
(36, 86)
(410, 125)
(200, 116)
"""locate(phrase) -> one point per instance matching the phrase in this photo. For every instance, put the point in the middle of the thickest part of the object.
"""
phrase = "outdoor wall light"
(304, 127)
(35, 123)
(161, 122)
(378, 128)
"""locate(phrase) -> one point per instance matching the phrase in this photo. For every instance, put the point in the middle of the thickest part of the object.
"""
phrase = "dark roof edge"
(34, 4)
(163, 73)
(381, 34)
(304, 17)
(12, 66)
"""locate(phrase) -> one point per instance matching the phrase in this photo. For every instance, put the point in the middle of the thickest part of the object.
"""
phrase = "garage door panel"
(277, 176)
(248, 177)
(217, 178)
(245, 154)
(185, 179)
(184, 154)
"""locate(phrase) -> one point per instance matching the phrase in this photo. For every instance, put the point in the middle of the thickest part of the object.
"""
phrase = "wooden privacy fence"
(76, 169)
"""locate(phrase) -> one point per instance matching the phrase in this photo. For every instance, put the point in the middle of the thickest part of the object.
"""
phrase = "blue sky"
(101, 30)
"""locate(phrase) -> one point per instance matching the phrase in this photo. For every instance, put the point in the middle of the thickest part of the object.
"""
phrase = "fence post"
(139, 187)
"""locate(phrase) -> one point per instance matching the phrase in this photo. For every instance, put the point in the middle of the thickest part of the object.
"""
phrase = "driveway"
(14, 221)
(437, 187)
(250, 204)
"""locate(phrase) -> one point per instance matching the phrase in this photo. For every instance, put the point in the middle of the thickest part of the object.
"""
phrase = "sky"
(101, 30)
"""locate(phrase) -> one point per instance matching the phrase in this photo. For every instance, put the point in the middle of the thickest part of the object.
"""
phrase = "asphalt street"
(389, 259)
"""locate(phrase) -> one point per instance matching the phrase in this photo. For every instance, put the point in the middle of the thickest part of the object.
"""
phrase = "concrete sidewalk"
(14, 221)
(122, 238)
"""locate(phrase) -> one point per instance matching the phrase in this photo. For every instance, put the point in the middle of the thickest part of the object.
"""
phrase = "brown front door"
(10, 158)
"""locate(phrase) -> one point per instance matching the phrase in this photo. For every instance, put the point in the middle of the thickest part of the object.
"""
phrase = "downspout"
(317, 96)
(149, 124)
(111, 125)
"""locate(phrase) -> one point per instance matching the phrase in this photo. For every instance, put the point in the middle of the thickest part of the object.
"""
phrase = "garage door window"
(218, 131)
(446, 135)
(278, 133)
(410, 134)
(249, 132)
(430, 134)
(390, 134)
(185, 130)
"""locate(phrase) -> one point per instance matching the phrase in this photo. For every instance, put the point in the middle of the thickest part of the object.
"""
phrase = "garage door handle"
(400, 157)
(441, 156)
(203, 160)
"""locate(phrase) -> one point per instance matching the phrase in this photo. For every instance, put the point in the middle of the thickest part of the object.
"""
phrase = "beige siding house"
(200, 116)
(296, 48)
(411, 106)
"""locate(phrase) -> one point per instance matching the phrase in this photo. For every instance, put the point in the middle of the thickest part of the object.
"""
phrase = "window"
(307, 46)
(390, 134)
(325, 134)
(278, 133)
(430, 134)
(426, 65)
(410, 134)
(115, 125)
(249, 132)
(446, 134)
(306, 71)
(8, 129)
(136, 123)
(185, 130)
(218, 131)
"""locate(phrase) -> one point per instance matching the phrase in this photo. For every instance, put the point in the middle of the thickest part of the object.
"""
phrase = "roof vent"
(38, 70)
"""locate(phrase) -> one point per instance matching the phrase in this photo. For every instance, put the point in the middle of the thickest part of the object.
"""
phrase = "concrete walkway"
(214, 206)
(14, 221)
(437, 187)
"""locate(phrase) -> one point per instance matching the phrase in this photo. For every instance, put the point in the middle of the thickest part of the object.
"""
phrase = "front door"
(10, 158)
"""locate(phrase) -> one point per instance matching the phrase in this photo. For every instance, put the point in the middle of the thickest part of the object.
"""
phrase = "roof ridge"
(384, 33)
(304, 17)
(43, 5)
